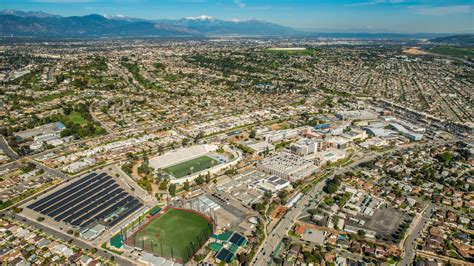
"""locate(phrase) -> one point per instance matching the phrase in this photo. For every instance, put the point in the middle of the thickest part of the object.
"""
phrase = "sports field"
(176, 233)
(191, 166)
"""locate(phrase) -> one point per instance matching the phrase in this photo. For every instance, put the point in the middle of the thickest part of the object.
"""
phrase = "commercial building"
(286, 165)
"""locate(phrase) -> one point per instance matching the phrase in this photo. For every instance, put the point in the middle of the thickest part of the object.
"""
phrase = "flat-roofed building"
(280, 135)
(305, 146)
(52, 128)
(274, 183)
(260, 146)
(286, 165)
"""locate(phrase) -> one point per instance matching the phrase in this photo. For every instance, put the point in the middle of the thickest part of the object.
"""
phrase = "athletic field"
(191, 166)
(176, 234)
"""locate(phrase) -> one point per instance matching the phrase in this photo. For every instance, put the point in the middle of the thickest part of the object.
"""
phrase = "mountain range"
(40, 24)
(458, 40)
(43, 25)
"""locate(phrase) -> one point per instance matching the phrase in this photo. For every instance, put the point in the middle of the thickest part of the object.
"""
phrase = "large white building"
(286, 165)
(260, 146)
(405, 132)
(280, 135)
(305, 147)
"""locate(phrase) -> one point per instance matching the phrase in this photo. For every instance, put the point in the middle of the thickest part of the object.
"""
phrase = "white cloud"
(442, 10)
(239, 3)
(376, 2)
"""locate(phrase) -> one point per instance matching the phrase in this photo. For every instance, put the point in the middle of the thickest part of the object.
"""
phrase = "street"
(272, 238)
(75, 241)
(412, 236)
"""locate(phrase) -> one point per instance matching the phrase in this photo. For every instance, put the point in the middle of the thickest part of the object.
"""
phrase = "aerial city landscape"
(160, 138)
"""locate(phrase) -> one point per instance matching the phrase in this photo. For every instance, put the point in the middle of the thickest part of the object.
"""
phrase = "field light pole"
(192, 244)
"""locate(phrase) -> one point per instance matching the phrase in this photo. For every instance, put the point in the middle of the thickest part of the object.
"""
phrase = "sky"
(401, 16)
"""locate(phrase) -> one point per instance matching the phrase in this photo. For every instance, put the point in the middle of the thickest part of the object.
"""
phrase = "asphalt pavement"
(409, 252)
(7, 149)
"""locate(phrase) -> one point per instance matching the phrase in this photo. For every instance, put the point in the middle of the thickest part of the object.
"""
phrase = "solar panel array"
(225, 255)
(90, 199)
(237, 239)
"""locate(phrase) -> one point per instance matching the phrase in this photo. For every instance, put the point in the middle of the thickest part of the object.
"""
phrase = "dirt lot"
(278, 212)
(414, 51)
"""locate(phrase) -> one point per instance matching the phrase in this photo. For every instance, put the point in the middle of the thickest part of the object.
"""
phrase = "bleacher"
(181, 155)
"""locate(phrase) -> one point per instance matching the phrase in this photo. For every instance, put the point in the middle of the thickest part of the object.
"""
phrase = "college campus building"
(287, 165)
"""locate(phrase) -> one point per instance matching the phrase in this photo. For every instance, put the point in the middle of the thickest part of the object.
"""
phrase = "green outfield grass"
(176, 233)
(198, 164)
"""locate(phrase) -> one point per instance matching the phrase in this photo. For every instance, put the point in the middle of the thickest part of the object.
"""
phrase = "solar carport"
(88, 200)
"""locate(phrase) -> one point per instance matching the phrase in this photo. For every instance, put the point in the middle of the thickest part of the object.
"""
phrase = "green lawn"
(176, 234)
(76, 118)
(191, 166)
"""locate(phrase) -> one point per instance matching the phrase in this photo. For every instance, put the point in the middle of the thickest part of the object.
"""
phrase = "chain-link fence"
(180, 254)
(137, 237)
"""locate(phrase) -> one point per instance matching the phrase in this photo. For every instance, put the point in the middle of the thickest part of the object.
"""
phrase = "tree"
(446, 156)
(144, 168)
(268, 194)
(161, 149)
(331, 188)
(172, 189)
(200, 135)
(199, 180)
(282, 194)
(333, 185)
(186, 185)
(16, 209)
(163, 185)
(185, 141)
(361, 233)
(243, 258)
(260, 207)
(253, 133)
